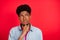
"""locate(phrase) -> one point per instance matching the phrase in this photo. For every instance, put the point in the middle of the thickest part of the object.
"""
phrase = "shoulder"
(13, 29)
(38, 32)
(36, 29)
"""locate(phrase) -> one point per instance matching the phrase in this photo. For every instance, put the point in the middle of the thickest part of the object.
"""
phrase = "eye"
(26, 14)
(21, 15)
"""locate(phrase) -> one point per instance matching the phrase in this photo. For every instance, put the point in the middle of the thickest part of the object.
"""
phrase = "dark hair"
(23, 7)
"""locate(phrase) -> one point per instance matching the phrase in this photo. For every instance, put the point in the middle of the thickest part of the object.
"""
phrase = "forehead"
(24, 12)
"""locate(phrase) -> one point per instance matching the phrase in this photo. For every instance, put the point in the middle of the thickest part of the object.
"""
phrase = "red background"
(45, 15)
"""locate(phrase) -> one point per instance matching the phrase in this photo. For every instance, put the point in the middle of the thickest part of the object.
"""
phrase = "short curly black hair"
(23, 7)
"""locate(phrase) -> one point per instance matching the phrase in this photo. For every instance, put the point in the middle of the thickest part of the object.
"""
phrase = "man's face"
(24, 17)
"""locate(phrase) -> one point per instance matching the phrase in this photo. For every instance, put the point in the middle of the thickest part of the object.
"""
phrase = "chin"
(24, 23)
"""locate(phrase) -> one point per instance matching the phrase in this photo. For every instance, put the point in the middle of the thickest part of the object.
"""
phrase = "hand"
(24, 31)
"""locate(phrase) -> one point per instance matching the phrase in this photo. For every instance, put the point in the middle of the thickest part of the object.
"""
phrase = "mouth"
(25, 22)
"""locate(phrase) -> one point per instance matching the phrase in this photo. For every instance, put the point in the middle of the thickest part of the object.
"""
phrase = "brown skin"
(24, 18)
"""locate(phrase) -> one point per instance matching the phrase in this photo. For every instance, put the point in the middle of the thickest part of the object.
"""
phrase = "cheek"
(28, 18)
(21, 18)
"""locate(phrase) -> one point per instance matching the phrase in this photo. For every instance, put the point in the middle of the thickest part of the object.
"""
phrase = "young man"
(25, 31)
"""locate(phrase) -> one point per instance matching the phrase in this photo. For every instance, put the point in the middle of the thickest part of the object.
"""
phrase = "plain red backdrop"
(45, 15)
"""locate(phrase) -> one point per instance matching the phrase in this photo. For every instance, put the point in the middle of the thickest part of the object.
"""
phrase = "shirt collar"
(21, 29)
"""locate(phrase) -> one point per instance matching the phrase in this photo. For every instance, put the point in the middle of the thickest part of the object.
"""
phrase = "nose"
(24, 18)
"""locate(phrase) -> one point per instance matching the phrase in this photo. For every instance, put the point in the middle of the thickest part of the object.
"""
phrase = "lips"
(25, 22)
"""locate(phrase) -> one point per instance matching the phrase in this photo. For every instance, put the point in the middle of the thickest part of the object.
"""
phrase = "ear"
(30, 16)
(18, 18)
